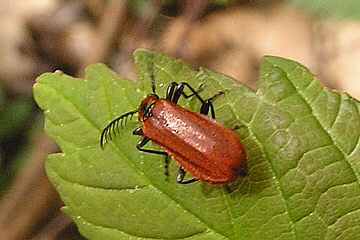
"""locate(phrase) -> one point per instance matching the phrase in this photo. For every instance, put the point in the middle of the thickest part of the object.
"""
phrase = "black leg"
(170, 91)
(207, 104)
(175, 90)
(144, 140)
(205, 108)
(166, 168)
(181, 175)
(180, 91)
(153, 151)
(138, 131)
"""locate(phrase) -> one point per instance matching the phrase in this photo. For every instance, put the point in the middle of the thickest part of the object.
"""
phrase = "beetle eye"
(143, 108)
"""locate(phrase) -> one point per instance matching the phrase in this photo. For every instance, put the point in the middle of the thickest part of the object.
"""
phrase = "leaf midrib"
(119, 190)
(271, 166)
(136, 170)
(323, 129)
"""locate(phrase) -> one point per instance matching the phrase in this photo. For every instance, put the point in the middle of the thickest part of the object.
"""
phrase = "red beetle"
(200, 145)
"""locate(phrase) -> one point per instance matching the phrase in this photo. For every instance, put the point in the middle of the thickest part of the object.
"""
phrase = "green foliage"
(301, 140)
(15, 114)
(14, 117)
(221, 1)
(140, 6)
(345, 9)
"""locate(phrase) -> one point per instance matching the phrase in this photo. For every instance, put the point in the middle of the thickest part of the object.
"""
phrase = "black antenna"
(152, 77)
(153, 83)
(113, 127)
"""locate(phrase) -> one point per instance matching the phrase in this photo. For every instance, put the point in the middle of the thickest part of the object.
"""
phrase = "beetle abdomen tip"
(243, 171)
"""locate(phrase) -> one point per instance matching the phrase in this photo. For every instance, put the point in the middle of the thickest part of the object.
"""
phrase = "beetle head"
(145, 107)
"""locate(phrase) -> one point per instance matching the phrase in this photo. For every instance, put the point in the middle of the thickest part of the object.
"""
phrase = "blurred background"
(226, 36)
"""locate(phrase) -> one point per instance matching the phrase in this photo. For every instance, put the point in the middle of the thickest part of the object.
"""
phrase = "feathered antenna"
(113, 127)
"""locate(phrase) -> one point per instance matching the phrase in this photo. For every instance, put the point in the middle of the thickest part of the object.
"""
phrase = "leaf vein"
(318, 121)
(337, 113)
(136, 170)
(272, 167)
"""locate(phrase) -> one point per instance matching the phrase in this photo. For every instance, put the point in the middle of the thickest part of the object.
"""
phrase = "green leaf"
(7, 174)
(301, 140)
(220, 2)
(14, 116)
(343, 9)
(14, 124)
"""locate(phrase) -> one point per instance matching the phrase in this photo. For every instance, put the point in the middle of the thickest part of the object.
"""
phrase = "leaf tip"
(139, 51)
(279, 61)
(99, 68)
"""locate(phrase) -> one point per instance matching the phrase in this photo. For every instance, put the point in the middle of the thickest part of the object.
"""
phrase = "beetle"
(200, 145)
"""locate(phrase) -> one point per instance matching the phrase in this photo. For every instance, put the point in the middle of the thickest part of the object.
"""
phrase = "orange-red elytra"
(200, 145)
